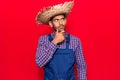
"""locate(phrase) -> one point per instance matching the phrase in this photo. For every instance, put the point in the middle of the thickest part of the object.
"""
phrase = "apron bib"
(61, 66)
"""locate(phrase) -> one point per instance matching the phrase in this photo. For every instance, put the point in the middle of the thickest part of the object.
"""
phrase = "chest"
(62, 45)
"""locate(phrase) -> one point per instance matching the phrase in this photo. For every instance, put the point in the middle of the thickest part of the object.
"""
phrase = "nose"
(60, 22)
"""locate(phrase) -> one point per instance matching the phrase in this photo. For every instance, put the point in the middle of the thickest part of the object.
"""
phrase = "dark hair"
(57, 15)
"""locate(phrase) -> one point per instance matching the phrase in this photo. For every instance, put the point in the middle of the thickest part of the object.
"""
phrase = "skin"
(58, 23)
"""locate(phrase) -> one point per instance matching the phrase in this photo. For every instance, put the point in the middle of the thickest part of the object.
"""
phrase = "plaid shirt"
(46, 49)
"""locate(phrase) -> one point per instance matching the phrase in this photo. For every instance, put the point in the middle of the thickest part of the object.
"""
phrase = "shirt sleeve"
(45, 51)
(81, 64)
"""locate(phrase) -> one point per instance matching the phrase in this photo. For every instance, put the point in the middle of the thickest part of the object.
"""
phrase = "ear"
(50, 23)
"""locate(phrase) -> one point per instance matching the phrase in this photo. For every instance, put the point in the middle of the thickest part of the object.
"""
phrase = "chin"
(62, 29)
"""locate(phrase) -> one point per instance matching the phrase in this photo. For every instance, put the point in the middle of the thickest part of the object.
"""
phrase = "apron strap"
(67, 41)
(50, 38)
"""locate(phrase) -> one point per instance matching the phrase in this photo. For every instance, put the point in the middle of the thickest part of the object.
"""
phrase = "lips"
(61, 27)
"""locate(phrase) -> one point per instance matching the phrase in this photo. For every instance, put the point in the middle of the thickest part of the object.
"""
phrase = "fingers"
(60, 31)
(57, 31)
(63, 31)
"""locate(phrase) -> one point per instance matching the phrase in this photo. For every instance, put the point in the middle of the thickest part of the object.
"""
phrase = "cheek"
(64, 22)
(56, 24)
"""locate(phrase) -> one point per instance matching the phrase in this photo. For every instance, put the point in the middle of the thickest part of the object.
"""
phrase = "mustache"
(61, 25)
(55, 28)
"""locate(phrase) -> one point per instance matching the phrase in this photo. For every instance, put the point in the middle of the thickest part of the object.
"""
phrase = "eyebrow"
(55, 19)
(58, 19)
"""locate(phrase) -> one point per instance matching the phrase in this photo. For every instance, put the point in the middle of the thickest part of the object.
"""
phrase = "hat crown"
(46, 13)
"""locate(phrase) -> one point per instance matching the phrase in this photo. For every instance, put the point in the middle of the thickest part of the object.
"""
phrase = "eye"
(62, 19)
(56, 20)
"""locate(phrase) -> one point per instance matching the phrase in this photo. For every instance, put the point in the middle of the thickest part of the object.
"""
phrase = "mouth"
(61, 27)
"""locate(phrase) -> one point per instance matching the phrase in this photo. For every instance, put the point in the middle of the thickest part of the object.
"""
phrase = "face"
(58, 22)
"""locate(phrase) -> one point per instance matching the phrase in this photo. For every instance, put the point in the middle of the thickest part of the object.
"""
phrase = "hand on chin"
(61, 29)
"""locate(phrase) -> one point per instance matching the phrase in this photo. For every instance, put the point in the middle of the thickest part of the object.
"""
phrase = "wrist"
(54, 42)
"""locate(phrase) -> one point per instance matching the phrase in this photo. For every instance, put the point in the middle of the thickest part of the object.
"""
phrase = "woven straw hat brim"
(43, 17)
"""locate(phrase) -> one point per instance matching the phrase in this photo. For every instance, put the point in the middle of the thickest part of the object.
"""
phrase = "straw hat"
(47, 13)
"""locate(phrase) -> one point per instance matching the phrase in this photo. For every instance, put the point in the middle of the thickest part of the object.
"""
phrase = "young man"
(59, 51)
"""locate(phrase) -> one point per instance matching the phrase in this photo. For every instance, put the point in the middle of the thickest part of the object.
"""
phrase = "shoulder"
(75, 38)
(43, 37)
(75, 41)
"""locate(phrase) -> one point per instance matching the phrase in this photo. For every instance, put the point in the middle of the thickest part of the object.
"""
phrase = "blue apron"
(61, 66)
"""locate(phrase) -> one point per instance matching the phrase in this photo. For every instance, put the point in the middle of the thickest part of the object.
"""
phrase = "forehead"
(59, 16)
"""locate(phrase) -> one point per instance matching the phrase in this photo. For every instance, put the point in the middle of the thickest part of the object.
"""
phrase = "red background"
(95, 22)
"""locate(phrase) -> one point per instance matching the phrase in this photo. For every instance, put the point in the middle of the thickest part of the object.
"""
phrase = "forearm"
(44, 53)
(81, 69)
(81, 64)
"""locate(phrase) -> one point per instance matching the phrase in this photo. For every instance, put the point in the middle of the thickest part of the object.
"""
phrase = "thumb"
(57, 30)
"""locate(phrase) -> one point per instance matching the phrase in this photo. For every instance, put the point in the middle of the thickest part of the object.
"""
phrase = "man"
(59, 51)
